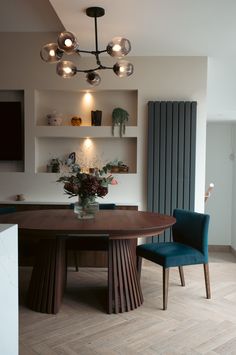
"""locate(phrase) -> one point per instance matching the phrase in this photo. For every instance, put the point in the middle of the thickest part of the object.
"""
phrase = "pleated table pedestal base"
(48, 277)
(124, 291)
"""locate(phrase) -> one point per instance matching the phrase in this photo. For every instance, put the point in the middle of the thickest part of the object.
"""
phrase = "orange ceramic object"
(76, 121)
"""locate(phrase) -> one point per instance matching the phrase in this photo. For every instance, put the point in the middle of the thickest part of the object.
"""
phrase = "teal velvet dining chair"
(9, 209)
(189, 247)
(92, 243)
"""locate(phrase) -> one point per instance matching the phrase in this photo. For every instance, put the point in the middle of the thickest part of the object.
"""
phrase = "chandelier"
(67, 43)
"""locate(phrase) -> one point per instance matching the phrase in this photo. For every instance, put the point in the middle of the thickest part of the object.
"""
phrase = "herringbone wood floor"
(191, 325)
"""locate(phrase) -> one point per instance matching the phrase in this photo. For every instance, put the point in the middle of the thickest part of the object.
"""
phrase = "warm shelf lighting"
(88, 143)
(67, 43)
(88, 97)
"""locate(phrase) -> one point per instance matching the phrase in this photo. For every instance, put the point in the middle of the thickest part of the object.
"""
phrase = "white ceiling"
(154, 27)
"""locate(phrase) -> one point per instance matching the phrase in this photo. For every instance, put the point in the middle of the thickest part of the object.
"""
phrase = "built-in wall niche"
(81, 103)
(12, 130)
(90, 152)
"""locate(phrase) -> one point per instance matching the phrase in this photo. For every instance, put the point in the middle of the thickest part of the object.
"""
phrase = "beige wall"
(155, 78)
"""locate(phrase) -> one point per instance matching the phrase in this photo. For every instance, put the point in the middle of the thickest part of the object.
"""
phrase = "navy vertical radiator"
(171, 157)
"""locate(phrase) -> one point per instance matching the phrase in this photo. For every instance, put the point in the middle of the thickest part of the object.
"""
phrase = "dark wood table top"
(114, 223)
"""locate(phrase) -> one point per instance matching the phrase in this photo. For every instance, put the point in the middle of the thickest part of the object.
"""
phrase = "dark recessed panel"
(11, 131)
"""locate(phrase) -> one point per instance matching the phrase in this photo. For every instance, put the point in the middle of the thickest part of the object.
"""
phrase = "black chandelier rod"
(96, 53)
(96, 41)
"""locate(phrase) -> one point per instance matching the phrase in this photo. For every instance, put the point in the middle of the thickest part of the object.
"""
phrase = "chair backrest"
(191, 228)
(9, 209)
(107, 206)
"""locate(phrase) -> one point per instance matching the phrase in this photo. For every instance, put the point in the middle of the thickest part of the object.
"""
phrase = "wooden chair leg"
(76, 261)
(181, 274)
(139, 266)
(165, 287)
(207, 280)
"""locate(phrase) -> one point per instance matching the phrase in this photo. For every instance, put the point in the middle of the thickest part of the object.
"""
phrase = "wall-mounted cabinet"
(59, 141)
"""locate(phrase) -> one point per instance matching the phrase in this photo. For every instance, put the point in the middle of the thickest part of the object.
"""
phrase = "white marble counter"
(8, 289)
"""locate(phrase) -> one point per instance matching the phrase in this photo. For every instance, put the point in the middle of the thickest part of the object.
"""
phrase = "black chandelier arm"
(90, 52)
(96, 54)
(83, 51)
(100, 67)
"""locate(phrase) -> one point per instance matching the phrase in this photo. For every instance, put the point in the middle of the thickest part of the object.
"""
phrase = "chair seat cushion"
(170, 254)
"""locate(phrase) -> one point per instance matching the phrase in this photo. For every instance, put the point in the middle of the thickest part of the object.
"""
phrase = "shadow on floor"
(88, 289)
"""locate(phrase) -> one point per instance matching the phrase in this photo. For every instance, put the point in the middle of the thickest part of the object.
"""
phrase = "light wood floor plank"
(191, 325)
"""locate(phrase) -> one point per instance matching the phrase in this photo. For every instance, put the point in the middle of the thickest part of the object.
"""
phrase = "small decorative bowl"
(76, 121)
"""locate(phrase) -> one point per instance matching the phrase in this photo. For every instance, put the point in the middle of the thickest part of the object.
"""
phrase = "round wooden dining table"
(54, 227)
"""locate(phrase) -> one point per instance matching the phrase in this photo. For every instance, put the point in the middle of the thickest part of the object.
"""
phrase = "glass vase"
(86, 210)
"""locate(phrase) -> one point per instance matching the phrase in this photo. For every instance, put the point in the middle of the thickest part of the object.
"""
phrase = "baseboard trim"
(220, 248)
(233, 251)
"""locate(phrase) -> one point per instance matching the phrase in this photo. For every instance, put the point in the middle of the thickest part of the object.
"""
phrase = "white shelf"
(59, 141)
(71, 103)
(58, 174)
(99, 151)
(84, 131)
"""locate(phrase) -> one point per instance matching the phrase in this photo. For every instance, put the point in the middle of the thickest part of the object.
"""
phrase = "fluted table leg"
(124, 291)
(48, 277)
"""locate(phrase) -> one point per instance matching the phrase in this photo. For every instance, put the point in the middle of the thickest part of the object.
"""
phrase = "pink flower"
(114, 182)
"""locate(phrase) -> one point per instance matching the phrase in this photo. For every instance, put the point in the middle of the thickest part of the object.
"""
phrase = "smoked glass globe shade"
(50, 53)
(119, 47)
(123, 68)
(93, 78)
(66, 69)
(67, 42)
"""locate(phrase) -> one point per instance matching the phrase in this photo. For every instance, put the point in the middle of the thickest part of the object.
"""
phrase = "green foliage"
(108, 167)
(119, 118)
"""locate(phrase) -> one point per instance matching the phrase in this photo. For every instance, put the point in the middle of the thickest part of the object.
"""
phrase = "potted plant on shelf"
(119, 118)
(116, 166)
(54, 166)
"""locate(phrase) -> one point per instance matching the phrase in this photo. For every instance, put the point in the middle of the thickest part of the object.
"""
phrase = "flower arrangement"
(87, 186)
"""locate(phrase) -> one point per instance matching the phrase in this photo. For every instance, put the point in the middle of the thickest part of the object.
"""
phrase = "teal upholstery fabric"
(170, 254)
(191, 228)
(189, 246)
(107, 206)
(9, 209)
